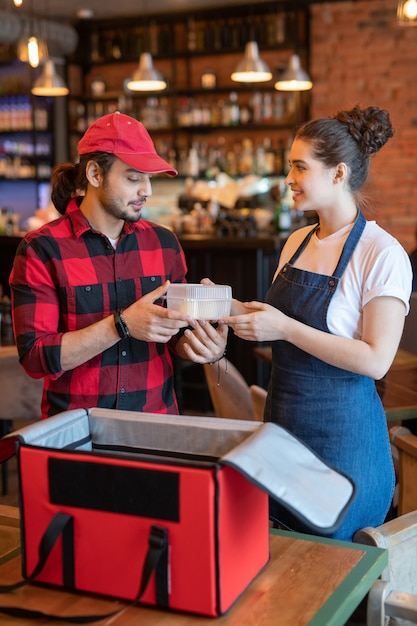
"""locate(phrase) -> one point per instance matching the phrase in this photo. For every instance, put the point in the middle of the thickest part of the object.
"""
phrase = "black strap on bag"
(62, 524)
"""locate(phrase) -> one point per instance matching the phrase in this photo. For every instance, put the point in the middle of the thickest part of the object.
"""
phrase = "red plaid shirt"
(65, 277)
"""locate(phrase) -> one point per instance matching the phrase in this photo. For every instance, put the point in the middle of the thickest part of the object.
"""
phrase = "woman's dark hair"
(69, 180)
(349, 137)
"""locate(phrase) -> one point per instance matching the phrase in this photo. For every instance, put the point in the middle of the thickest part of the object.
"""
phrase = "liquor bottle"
(246, 158)
(282, 217)
(270, 160)
(256, 106)
(234, 109)
(279, 158)
(267, 109)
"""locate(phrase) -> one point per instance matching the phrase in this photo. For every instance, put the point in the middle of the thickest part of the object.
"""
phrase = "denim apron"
(337, 413)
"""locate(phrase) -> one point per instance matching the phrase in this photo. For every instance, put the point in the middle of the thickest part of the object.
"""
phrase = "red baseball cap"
(128, 140)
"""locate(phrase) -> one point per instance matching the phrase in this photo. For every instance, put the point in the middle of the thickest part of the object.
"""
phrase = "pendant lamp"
(146, 77)
(294, 78)
(251, 69)
(49, 83)
(31, 49)
(407, 13)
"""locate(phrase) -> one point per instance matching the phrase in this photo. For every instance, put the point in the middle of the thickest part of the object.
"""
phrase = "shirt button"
(153, 279)
(124, 352)
(331, 283)
(122, 390)
(88, 288)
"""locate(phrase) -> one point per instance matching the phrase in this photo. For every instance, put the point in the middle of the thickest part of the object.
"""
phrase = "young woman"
(335, 312)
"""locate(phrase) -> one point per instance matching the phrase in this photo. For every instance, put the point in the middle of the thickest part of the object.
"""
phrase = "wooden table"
(309, 581)
(398, 389)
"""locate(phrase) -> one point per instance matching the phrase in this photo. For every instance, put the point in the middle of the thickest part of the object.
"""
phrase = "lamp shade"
(407, 13)
(146, 77)
(251, 68)
(294, 78)
(49, 83)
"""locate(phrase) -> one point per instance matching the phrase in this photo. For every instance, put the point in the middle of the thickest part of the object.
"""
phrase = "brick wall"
(360, 55)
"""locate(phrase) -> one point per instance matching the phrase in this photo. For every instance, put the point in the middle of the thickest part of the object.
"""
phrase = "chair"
(394, 595)
(404, 448)
(230, 394)
(409, 337)
(20, 396)
(258, 395)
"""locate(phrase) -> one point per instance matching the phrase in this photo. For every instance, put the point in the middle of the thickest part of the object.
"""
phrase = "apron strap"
(303, 244)
(350, 244)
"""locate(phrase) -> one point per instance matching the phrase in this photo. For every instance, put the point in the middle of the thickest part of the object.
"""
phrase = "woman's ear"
(340, 173)
(93, 174)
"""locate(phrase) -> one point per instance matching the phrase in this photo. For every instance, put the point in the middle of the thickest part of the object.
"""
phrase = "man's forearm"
(79, 346)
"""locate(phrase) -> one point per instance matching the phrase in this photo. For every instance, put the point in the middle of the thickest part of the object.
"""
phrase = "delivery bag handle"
(156, 559)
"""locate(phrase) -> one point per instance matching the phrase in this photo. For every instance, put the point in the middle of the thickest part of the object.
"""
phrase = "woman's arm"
(372, 355)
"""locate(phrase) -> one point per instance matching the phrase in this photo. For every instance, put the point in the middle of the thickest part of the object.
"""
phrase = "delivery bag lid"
(265, 453)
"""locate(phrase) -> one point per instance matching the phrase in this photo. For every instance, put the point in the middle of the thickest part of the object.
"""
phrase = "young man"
(87, 289)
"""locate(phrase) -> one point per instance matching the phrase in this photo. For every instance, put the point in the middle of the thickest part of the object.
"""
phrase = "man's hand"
(204, 343)
(148, 321)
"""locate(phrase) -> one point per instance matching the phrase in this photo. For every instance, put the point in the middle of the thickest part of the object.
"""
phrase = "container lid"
(196, 291)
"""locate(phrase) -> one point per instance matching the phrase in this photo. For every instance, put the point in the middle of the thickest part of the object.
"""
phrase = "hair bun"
(371, 127)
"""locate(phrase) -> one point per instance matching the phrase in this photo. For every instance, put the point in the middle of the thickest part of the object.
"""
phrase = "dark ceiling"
(102, 9)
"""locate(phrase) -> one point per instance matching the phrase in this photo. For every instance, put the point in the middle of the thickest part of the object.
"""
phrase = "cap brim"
(148, 163)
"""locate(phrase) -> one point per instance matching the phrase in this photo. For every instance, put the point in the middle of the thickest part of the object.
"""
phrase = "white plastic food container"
(202, 302)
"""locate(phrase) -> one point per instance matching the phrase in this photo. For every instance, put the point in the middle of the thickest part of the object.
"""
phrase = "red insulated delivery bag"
(171, 509)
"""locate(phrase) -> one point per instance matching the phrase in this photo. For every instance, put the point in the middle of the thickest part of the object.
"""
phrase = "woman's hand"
(237, 306)
(258, 322)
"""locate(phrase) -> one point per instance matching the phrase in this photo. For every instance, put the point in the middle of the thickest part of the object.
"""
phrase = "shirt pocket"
(82, 305)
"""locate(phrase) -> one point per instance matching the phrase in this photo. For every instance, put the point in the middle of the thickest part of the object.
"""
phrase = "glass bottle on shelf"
(260, 162)
(256, 106)
(269, 157)
(231, 112)
(216, 112)
(246, 157)
(267, 113)
(282, 217)
(279, 158)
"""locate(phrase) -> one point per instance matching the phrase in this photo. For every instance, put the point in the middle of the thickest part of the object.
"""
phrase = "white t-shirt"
(379, 267)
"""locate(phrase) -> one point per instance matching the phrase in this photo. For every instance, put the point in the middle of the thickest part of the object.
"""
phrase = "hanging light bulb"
(146, 77)
(407, 13)
(294, 78)
(251, 69)
(18, 3)
(31, 49)
(49, 83)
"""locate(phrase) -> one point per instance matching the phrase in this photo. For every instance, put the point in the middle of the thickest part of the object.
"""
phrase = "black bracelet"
(121, 326)
(219, 359)
(223, 356)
